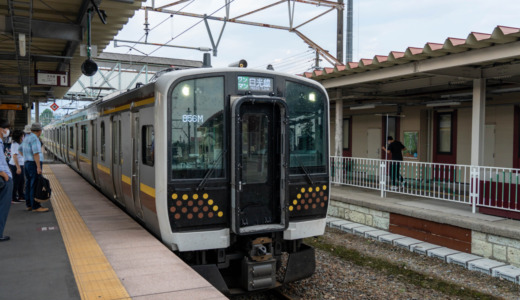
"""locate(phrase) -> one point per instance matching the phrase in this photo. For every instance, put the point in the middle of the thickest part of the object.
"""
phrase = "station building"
(456, 107)
(460, 99)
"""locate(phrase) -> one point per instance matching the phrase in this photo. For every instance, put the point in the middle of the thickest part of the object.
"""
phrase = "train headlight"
(186, 90)
(312, 97)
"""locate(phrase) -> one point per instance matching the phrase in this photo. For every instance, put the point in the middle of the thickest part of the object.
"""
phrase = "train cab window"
(148, 147)
(197, 129)
(307, 128)
(84, 139)
(71, 137)
(103, 141)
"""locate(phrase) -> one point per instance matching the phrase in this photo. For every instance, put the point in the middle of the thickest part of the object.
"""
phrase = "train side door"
(135, 165)
(117, 159)
(259, 168)
(77, 139)
(93, 152)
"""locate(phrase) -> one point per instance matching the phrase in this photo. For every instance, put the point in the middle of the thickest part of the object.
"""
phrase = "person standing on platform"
(6, 190)
(396, 149)
(17, 168)
(31, 150)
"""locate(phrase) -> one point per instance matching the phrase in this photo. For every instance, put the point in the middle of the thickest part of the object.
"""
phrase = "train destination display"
(255, 84)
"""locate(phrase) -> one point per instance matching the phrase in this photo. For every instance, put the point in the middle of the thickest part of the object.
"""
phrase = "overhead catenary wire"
(292, 62)
(306, 52)
(295, 65)
(186, 30)
(306, 65)
(170, 17)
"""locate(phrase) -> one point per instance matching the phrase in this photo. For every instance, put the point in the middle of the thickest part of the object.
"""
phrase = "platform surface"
(85, 247)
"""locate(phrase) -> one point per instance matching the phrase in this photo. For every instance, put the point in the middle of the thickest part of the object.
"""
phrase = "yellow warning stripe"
(126, 179)
(103, 168)
(84, 159)
(127, 106)
(150, 191)
(95, 277)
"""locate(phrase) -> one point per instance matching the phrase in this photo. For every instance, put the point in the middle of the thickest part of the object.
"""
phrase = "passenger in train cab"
(17, 167)
(31, 150)
(396, 149)
(6, 189)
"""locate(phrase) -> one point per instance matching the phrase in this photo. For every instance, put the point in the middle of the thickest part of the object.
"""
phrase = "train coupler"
(259, 267)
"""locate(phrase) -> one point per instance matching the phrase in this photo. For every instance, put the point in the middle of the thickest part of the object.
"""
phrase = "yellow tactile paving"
(94, 275)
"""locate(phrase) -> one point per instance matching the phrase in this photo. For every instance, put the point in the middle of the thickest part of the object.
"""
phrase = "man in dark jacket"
(396, 149)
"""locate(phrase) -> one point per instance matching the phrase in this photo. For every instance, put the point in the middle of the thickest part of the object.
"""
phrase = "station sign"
(53, 78)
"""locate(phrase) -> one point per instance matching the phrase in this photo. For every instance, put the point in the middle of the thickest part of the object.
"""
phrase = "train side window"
(71, 137)
(148, 145)
(84, 135)
(103, 142)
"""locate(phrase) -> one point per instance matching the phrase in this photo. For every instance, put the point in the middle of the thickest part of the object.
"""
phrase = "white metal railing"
(499, 188)
(490, 187)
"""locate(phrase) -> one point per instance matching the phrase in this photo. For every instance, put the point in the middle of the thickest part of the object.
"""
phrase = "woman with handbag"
(6, 182)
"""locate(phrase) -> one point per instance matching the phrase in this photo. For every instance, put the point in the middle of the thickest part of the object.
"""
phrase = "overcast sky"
(380, 26)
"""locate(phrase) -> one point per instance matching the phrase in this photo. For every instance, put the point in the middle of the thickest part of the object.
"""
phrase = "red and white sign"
(54, 106)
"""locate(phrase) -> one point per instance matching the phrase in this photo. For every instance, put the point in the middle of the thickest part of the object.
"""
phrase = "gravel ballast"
(354, 267)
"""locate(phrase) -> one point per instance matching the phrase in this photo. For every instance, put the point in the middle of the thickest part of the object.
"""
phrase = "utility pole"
(350, 10)
(339, 46)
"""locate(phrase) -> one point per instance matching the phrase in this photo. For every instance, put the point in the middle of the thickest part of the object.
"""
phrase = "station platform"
(85, 247)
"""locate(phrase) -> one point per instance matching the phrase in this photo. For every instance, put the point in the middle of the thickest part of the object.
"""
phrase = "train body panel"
(228, 167)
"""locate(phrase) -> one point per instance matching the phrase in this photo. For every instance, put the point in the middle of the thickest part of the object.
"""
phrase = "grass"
(399, 271)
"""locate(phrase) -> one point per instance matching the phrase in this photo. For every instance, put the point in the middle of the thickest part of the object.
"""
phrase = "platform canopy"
(40, 43)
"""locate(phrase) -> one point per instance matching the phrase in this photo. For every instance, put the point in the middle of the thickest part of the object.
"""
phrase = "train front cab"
(248, 175)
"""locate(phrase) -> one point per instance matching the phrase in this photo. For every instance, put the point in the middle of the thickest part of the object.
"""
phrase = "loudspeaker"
(89, 67)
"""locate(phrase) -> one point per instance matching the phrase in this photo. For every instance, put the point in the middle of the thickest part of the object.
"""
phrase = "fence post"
(382, 178)
(474, 187)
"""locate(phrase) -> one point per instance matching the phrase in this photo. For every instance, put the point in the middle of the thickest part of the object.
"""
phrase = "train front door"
(259, 169)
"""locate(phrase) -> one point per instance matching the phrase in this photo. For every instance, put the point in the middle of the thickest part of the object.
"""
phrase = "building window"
(346, 133)
(102, 141)
(445, 132)
(148, 145)
(71, 137)
(84, 136)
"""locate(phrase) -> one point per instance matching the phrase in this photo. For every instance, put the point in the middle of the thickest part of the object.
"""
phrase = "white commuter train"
(228, 167)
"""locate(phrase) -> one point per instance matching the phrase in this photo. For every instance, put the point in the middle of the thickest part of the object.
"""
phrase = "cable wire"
(170, 17)
(186, 30)
(284, 59)
(54, 9)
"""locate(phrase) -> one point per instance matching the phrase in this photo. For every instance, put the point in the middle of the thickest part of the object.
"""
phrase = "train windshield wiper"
(305, 170)
(209, 172)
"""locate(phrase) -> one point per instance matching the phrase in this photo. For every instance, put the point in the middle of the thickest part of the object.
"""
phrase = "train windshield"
(307, 124)
(197, 128)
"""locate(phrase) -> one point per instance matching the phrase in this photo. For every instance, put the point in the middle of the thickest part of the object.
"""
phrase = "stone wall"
(496, 247)
(362, 215)
(482, 244)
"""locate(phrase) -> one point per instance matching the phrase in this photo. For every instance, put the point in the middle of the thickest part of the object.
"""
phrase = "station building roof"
(434, 72)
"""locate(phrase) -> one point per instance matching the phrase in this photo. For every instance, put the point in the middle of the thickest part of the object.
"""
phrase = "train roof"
(166, 79)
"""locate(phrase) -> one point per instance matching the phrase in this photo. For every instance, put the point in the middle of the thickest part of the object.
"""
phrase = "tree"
(46, 117)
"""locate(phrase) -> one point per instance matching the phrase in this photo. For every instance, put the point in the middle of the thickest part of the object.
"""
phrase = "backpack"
(42, 189)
